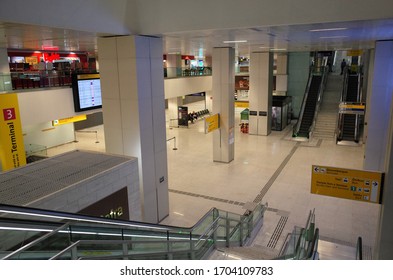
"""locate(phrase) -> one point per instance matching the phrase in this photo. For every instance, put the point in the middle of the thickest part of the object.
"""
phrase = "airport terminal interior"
(274, 165)
(260, 204)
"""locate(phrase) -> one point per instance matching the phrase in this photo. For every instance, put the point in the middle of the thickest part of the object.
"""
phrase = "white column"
(261, 93)
(223, 103)
(5, 75)
(134, 113)
(281, 74)
(172, 110)
(379, 107)
(379, 152)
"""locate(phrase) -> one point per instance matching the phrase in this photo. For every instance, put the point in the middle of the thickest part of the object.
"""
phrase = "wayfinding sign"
(212, 123)
(352, 184)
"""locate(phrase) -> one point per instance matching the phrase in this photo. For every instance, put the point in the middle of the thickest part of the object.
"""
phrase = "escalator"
(309, 106)
(350, 116)
(28, 233)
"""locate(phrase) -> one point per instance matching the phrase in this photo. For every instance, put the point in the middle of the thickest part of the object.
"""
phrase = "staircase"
(326, 124)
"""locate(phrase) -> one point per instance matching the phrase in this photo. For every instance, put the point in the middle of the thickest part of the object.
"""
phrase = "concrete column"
(134, 113)
(261, 93)
(379, 108)
(173, 64)
(223, 103)
(281, 74)
(172, 110)
(5, 75)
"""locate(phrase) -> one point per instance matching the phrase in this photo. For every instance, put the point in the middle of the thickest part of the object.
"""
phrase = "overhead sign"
(352, 108)
(354, 52)
(12, 150)
(69, 120)
(212, 123)
(347, 183)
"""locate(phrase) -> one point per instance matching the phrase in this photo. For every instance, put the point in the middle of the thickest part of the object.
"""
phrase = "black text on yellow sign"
(347, 183)
(212, 123)
(12, 150)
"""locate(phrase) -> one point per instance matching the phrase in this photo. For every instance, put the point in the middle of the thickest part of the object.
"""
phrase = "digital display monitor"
(86, 89)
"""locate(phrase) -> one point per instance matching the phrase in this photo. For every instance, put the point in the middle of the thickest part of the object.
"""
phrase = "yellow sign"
(354, 52)
(241, 104)
(12, 150)
(69, 120)
(88, 76)
(212, 123)
(347, 183)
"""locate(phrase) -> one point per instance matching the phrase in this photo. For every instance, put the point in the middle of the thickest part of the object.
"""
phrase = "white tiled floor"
(192, 170)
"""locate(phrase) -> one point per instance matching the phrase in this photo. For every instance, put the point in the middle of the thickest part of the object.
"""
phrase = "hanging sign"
(352, 184)
(212, 123)
(12, 150)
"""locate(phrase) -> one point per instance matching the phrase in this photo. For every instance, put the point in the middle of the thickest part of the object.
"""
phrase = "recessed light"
(328, 29)
(238, 41)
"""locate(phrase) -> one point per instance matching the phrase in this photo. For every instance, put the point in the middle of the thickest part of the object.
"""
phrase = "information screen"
(89, 93)
(86, 89)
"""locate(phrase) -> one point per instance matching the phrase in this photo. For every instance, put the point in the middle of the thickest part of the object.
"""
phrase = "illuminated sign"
(347, 183)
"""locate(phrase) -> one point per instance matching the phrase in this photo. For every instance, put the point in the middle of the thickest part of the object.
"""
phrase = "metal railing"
(41, 234)
(302, 243)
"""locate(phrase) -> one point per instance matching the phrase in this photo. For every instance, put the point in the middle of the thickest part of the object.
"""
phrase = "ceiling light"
(328, 29)
(238, 41)
(278, 49)
(333, 37)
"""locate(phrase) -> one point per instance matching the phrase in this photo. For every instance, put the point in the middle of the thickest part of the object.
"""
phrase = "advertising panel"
(12, 150)
(347, 183)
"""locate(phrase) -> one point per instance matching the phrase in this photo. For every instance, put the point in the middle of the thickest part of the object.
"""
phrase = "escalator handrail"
(36, 241)
(27, 211)
(302, 108)
(313, 247)
(319, 98)
(359, 249)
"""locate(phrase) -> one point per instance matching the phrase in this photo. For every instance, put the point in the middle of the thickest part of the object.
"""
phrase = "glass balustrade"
(27, 233)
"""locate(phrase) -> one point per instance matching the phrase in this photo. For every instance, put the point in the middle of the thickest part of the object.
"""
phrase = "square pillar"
(261, 93)
(133, 105)
(223, 103)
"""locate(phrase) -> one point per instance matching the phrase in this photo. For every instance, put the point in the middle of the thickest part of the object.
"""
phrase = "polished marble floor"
(269, 169)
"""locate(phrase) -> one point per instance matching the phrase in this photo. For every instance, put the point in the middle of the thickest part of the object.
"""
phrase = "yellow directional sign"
(69, 120)
(212, 123)
(347, 183)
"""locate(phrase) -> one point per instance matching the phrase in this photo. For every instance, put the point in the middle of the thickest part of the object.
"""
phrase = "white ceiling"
(352, 35)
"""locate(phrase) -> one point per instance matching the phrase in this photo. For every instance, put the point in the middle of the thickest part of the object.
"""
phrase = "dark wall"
(92, 120)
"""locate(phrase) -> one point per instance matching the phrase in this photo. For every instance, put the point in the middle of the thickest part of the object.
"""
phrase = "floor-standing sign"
(12, 150)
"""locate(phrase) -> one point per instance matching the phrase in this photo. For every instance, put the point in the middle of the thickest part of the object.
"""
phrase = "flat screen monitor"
(86, 89)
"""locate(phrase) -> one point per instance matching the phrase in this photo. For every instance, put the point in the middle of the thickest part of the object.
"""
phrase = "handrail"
(359, 249)
(27, 211)
(313, 248)
(319, 99)
(31, 244)
(302, 108)
(179, 234)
